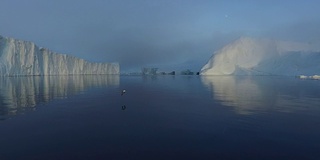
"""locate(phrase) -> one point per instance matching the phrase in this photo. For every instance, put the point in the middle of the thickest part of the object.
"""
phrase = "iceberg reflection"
(20, 93)
(258, 94)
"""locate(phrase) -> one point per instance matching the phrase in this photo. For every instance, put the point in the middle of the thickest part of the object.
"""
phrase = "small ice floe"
(123, 92)
(303, 77)
(317, 77)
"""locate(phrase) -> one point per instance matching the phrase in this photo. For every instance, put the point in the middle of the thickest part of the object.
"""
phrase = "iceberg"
(250, 56)
(20, 58)
(315, 77)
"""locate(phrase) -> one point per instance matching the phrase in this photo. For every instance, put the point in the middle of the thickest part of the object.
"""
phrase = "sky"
(166, 34)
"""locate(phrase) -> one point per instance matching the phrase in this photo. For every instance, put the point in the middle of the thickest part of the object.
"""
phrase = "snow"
(249, 56)
(19, 57)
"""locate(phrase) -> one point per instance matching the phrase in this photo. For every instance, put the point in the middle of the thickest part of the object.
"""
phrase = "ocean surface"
(159, 117)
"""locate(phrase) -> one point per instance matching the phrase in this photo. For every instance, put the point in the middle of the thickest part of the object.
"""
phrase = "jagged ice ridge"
(19, 58)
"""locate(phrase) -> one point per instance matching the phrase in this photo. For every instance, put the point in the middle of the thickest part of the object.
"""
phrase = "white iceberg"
(316, 77)
(19, 57)
(249, 56)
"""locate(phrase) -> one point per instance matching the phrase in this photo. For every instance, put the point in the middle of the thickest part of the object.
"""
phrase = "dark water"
(163, 117)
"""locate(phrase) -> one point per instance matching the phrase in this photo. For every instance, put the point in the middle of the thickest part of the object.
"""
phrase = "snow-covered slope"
(248, 56)
(19, 57)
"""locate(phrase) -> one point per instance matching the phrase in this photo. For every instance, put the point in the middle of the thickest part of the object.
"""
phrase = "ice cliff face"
(19, 57)
(248, 56)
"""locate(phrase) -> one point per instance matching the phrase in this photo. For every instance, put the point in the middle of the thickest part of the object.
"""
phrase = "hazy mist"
(168, 34)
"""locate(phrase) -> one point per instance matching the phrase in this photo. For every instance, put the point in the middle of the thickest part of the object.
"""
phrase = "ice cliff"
(19, 57)
(249, 56)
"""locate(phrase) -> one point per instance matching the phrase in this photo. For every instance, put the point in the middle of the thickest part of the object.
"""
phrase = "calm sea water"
(161, 117)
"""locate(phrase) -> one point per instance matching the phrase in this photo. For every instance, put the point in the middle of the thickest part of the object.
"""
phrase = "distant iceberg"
(19, 57)
(316, 77)
(249, 56)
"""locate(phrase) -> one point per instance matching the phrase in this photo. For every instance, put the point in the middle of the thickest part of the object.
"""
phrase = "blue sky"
(168, 34)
